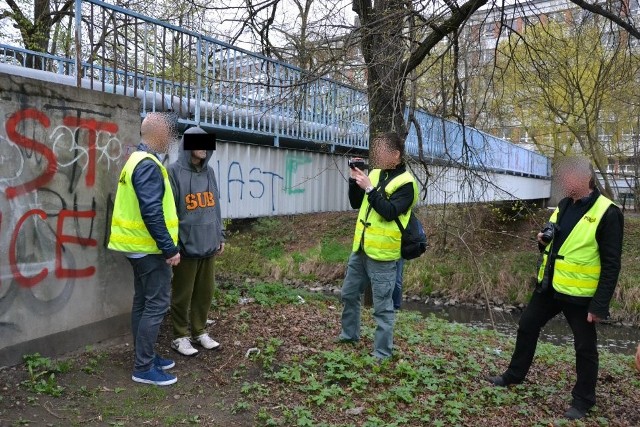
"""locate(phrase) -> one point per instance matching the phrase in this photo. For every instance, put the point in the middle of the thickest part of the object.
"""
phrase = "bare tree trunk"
(636, 167)
(382, 48)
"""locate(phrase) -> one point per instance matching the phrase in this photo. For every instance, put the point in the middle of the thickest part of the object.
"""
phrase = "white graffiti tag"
(65, 142)
(11, 161)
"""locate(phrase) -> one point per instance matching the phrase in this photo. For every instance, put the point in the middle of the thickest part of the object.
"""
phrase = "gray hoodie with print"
(196, 193)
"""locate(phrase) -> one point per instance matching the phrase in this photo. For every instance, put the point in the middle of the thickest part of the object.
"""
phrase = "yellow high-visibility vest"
(577, 267)
(380, 239)
(128, 231)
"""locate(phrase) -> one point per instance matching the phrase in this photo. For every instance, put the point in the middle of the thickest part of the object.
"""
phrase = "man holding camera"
(581, 254)
(386, 194)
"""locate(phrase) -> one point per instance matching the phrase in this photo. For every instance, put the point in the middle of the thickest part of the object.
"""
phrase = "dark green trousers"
(191, 295)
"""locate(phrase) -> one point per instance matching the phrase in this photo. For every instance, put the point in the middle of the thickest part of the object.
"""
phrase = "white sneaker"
(183, 346)
(207, 342)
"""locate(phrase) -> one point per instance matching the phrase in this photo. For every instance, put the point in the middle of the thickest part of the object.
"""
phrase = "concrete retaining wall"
(61, 149)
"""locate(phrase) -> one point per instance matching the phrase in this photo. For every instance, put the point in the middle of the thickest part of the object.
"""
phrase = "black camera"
(548, 231)
(358, 163)
(547, 274)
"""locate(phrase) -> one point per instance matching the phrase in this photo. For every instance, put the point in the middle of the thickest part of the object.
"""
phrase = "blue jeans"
(397, 290)
(152, 286)
(362, 271)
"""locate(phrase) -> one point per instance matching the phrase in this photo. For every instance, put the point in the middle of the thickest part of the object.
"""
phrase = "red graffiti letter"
(92, 126)
(62, 272)
(24, 281)
(11, 127)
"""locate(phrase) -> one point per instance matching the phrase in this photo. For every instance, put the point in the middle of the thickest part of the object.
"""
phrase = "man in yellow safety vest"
(581, 254)
(144, 226)
(386, 194)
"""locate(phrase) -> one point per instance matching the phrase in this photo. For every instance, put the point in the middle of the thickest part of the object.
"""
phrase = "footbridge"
(283, 133)
(69, 119)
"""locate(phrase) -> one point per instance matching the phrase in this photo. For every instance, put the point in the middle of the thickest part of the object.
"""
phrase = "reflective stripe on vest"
(379, 238)
(577, 268)
(128, 231)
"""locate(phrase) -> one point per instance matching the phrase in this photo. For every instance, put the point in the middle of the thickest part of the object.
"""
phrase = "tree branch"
(610, 16)
(62, 12)
(18, 16)
(439, 32)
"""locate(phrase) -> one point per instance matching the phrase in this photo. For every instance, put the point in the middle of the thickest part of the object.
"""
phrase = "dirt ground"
(218, 388)
(204, 394)
(98, 390)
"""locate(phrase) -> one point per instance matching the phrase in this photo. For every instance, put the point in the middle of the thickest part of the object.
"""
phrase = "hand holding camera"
(548, 232)
(358, 165)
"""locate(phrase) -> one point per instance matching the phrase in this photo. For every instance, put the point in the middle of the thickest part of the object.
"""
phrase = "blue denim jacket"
(148, 184)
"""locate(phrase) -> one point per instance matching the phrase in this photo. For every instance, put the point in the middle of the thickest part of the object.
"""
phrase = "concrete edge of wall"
(115, 329)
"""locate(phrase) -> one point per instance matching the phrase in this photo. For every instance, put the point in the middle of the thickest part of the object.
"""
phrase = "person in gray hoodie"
(200, 238)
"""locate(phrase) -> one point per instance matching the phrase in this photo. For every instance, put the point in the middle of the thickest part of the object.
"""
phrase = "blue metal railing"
(451, 142)
(215, 84)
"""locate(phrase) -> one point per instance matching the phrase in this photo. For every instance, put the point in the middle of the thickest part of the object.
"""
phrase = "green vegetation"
(296, 375)
(42, 374)
(434, 379)
(474, 251)
(270, 294)
(93, 362)
(562, 83)
(280, 365)
(334, 251)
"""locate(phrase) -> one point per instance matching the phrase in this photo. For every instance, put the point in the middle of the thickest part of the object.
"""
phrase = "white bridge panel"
(258, 181)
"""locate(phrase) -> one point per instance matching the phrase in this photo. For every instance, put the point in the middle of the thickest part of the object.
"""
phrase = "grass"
(473, 250)
(42, 374)
(300, 377)
(332, 251)
(434, 378)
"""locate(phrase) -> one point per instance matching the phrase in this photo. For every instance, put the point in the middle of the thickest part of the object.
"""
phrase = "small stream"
(614, 338)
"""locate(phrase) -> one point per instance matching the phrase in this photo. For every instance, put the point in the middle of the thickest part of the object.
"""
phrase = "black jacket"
(609, 237)
(390, 209)
(148, 184)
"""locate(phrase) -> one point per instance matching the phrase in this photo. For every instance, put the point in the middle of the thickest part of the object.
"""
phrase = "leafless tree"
(34, 21)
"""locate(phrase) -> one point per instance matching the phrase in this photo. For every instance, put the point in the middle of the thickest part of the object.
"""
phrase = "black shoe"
(497, 381)
(574, 413)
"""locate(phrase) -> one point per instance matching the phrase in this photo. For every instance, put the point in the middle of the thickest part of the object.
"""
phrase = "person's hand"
(174, 260)
(220, 249)
(539, 238)
(361, 178)
(592, 318)
(352, 171)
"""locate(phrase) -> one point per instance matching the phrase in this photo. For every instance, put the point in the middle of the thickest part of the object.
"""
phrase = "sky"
(224, 18)
(226, 22)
